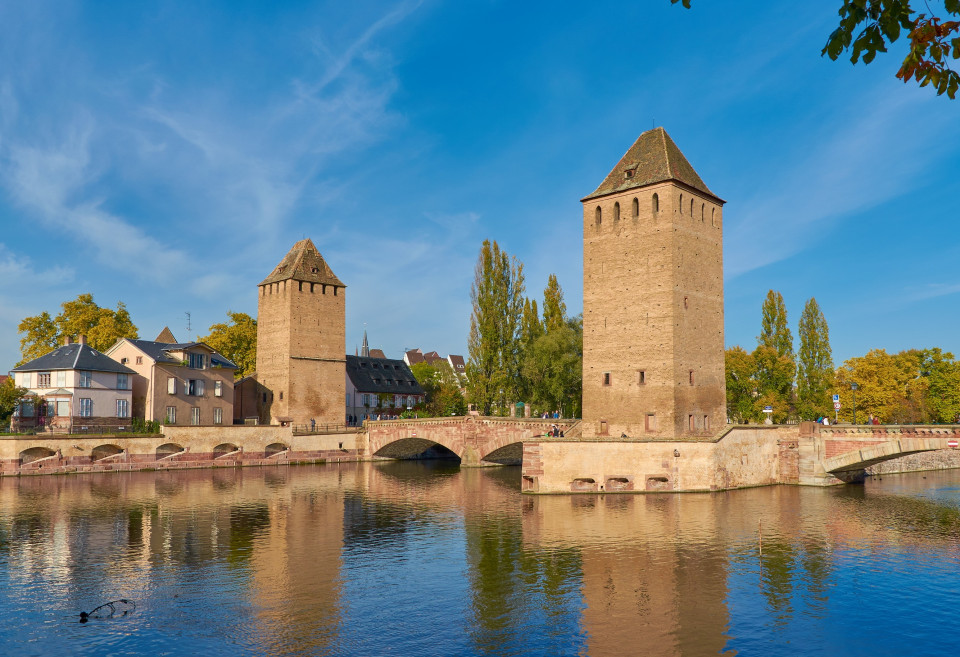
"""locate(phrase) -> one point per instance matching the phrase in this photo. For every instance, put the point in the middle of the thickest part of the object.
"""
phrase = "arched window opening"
(656, 203)
(691, 208)
(703, 211)
(681, 204)
(713, 217)
(636, 208)
(616, 211)
(599, 215)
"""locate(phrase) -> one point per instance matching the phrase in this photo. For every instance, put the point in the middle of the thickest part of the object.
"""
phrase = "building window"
(171, 414)
(599, 216)
(196, 361)
(713, 217)
(63, 409)
(706, 422)
(171, 385)
(691, 377)
(636, 208)
(681, 204)
(194, 415)
(692, 425)
(641, 377)
(264, 398)
(86, 379)
(218, 388)
(606, 378)
(616, 211)
(123, 408)
(139, 360)
(61, 379)
(650, 423)
(43, 380)
(281, 395)
(691, 208)
(604, 428)
(366, 399)
(86, 407)
(348, 399)
(218, 416)
(123, 383)
(703, 211)
(194, 387)
(656, 203)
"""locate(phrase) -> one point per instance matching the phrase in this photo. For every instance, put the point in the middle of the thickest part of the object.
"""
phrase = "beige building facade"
(178, 383)
(301, 341)
(653, 356)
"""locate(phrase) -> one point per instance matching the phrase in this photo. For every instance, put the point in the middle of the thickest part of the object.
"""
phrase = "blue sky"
(168, 155)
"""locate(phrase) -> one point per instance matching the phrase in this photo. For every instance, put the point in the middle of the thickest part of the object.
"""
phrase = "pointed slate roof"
(303, 263)
(74, 356)
(653, 158)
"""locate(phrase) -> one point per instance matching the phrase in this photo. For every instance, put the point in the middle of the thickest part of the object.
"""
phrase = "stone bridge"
(475, 440)
(846, 451)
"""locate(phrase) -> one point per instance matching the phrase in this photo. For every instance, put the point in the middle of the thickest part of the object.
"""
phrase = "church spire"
(365, 350)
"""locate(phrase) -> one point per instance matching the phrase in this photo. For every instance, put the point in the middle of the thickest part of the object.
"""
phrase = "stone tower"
(653, 355)
(301, 340)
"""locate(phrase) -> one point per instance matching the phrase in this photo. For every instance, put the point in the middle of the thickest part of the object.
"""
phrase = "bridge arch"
(101, 452)
(35, 454)
(859, 459)
(509, 454)
(413, 447)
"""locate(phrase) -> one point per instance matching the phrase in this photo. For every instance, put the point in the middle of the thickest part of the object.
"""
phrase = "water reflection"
(426, 558)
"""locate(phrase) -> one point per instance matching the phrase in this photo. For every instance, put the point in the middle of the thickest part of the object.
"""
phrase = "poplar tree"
(554, 309)
(774, 331)
(773, 357)
(815, 363)
(493, 368)
(530, 326)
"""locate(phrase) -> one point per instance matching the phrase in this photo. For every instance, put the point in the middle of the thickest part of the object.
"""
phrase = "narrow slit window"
(641, 377)
(656, 203)
(636, 208)
(616, 211)
(691, 377)
(606, 378)
(599, 216)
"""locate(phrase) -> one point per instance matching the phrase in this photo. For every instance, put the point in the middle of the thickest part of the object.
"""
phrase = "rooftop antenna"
(189, 330)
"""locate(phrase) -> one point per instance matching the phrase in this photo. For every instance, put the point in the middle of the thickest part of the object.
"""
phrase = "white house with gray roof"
(74, 388)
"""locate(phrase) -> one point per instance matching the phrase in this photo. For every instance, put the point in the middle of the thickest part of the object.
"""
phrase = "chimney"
(67, 340)
(82, 339)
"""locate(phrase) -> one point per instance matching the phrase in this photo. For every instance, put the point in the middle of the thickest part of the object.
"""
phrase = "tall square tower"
(301, 340)
(653, 355)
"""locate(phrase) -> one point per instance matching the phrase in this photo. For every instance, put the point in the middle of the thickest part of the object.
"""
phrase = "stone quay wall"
(176, 448)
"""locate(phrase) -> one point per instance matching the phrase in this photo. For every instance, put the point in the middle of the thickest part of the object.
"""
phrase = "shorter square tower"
(301, 340)
(653, 356)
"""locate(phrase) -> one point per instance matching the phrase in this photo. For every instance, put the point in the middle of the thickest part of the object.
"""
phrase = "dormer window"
(629, 173)
(314, 270)
(280, 269)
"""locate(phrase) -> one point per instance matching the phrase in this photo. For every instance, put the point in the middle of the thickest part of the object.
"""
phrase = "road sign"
(836, 398)
(768, 409)
(952, 443)
(836, 406)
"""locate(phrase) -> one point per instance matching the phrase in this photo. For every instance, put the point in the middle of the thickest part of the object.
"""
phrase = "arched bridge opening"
(509, 454)
(843, 466)
(416, 449)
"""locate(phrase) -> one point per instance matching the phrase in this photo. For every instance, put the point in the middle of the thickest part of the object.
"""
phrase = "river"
(423, 558)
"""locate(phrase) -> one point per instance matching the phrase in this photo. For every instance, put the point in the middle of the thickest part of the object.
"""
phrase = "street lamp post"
(853, 389)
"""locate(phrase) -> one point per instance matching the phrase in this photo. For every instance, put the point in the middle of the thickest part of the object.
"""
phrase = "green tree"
(530, 326)
(237, 340)
(741, 386)
(10, 396)
(554, 309)
(493, 367)
(82, 316)
(815, 364)
(554, 369)
(774, 330)
(773, 358)
(889, 387)
(868, 26)
(943, 385)
(441, 388)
